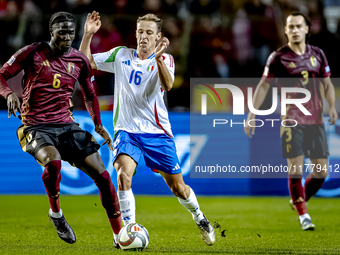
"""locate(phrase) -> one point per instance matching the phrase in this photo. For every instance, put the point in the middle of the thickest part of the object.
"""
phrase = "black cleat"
(65, 232)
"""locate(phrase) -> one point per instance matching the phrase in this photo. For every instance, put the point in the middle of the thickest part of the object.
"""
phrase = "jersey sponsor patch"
(327, 69)
(11, 60)
(92, 78)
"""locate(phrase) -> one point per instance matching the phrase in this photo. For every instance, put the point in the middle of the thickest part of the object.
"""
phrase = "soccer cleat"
(115, 243)
(207, 231)
(307, 224)
(65, 232)
(291, 204)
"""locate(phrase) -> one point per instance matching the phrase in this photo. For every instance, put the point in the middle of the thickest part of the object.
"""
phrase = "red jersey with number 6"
(288, 69)
(48, 83)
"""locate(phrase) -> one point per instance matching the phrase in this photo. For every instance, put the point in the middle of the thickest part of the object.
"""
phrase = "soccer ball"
(133, 237)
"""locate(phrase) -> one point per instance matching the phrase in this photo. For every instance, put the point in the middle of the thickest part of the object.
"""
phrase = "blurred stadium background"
(209, 38)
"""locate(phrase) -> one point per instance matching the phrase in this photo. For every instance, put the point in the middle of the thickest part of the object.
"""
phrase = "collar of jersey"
(150, 57)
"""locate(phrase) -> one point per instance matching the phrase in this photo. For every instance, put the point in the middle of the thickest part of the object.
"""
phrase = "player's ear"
(159, 36)
(286, 30)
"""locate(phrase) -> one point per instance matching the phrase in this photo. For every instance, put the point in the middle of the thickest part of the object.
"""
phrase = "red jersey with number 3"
(48, 82)
(288, 69)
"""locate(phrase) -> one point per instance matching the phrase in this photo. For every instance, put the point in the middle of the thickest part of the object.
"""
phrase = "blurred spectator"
(205, 7)
(321, 37)
(9, 11)
(104, 40)
(264, 36)
(203, 48)
(152, 6)
(170, 7)
(81, 6)
(208, 38)
(241, 33)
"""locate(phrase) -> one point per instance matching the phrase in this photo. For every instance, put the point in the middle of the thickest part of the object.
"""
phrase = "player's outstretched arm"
(8, 71)
(259, 96)
(330, 96)
(92, 25)
(163, 72)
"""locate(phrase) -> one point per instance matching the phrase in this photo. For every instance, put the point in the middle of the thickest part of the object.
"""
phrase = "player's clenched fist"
(161, 47)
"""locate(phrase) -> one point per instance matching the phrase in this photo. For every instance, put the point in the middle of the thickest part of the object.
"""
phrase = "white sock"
(303, 217)
(56, 214)
(115, 236)
(192, 205)
(127, 206)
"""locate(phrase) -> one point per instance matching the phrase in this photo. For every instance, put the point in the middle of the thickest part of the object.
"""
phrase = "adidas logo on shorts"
(176, 167)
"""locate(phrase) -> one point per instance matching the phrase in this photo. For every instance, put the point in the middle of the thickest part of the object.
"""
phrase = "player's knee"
(96, 161)
(124, 180)
(47, 155)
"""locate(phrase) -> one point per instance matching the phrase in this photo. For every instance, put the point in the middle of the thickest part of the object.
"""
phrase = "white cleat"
(307, 225)
(207, 231)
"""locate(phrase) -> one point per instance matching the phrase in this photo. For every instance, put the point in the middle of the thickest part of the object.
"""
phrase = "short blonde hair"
(151, 17)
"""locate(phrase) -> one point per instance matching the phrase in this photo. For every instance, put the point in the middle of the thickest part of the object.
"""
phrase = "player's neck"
(144, 55)
(56, 50)
(299, 48)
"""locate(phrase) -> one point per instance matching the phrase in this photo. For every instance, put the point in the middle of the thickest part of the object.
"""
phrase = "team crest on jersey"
(150, 68)
(313, 61)
(70, 68)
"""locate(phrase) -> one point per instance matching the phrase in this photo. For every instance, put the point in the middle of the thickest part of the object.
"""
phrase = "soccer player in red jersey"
(307, 66)
(49, 132)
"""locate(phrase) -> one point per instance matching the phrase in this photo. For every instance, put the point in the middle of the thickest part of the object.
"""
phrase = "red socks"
(312, 185)
(110, 202)
(51, 178)
(297, 193)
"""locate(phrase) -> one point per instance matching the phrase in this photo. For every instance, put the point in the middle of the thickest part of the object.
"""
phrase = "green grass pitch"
(248, 225)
